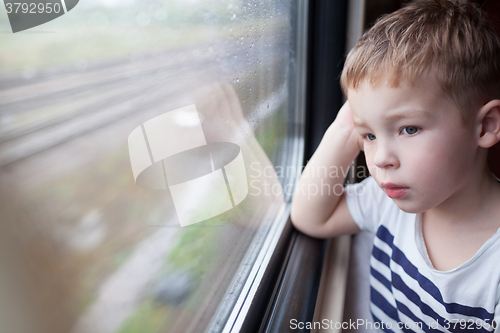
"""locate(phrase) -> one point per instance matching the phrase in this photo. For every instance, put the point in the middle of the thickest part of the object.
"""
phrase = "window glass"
(139, 144)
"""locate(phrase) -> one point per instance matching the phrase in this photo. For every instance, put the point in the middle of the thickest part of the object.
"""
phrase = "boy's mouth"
(394, 191)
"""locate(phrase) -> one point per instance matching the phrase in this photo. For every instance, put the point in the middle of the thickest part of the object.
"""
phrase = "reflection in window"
(85, 248)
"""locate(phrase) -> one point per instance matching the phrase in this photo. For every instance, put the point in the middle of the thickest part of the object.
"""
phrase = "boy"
(423, 88)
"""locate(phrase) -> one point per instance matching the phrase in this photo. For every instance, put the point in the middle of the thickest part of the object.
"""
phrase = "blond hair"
(452, 42)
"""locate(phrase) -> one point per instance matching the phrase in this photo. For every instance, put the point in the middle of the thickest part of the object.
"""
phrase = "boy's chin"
(408, 207)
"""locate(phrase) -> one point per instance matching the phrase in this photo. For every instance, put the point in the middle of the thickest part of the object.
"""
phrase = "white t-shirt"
(405, 287)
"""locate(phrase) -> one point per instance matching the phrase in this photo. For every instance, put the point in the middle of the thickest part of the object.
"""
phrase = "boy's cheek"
(372, 168)
(368, 156)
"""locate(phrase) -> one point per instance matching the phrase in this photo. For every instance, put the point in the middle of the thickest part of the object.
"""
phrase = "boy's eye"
(410, 130)
(370, 137)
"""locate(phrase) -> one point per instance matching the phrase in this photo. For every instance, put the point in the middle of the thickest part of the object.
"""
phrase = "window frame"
(290, 284)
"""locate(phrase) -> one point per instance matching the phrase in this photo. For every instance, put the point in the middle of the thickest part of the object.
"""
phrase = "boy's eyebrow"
(412, 113)
(359, 123)
(406, 114)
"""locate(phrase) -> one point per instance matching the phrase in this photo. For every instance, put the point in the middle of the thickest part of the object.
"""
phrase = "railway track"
(52, 109)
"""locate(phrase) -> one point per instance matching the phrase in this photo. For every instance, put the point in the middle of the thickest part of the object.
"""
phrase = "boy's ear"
(489, 122)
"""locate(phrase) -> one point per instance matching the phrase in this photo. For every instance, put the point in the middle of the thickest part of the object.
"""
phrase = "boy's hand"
(344, 125)
(317, 210)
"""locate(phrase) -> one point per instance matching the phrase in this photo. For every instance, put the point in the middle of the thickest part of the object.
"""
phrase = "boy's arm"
(319, 206)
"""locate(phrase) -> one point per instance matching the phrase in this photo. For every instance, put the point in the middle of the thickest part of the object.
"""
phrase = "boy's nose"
(385, 157)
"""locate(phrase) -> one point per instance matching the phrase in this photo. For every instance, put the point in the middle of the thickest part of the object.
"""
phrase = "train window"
(148, 152)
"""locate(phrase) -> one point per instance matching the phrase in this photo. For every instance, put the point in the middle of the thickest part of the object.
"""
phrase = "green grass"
(149, 317)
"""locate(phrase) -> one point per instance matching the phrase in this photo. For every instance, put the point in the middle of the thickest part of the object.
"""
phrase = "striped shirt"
(407, 293)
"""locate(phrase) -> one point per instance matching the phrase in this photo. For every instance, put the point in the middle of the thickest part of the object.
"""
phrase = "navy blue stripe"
(383, 304)
(392, 312)
(399, 284)
(398, 256)
(381, 278)
(385, 235)
(427, 326)
(387, 308)
(415, 298)
(404, 309)
(381, 256)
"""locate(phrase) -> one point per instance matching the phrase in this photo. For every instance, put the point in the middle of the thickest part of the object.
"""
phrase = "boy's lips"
(394, 191)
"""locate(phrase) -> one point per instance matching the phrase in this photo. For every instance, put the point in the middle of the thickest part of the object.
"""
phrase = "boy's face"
(416, 147)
